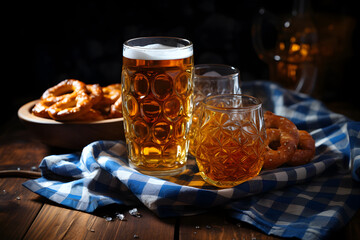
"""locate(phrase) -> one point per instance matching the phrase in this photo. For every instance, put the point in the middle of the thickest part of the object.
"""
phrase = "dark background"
(48, 42)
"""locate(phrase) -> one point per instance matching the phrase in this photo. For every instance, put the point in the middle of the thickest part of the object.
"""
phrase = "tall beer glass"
(157, 90)
(211, 79)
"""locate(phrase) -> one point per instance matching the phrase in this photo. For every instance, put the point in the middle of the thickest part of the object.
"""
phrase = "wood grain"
(18, 208)
(19, 150)
(55, 222)
(214, 225)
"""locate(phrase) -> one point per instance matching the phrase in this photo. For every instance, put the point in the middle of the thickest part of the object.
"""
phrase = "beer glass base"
(224, 184)
(163, 173)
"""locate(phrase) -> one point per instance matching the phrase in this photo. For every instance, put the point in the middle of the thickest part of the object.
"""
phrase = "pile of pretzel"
(285, 144)
(73, 100)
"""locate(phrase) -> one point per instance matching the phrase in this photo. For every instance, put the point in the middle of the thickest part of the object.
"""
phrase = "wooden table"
(25, 215)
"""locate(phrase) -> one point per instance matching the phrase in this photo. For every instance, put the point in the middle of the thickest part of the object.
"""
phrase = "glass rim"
(189, 43)
(255, 106)
(206, 65)
(169, 48)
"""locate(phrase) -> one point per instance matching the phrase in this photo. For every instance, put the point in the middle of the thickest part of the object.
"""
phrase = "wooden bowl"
(71, 135)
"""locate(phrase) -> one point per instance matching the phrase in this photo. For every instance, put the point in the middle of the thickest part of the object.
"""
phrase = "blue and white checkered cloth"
(308, 201)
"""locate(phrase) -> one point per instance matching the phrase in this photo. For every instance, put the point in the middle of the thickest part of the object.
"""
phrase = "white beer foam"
(157, 52)
(212, 74)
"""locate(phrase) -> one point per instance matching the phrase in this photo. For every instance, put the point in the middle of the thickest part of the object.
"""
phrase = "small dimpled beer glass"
(211, 79)
(157, 92)
(230, 139)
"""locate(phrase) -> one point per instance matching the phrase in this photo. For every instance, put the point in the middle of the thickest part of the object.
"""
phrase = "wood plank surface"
(18, 208)
(55, 222)
(20, 150)
(215, 225)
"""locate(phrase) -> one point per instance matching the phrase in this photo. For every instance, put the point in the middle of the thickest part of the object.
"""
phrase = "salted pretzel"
(111, 93)
(285, 144)
(70, 107)
(282, 140)
(41, 108)
(116, 108)
(72, 99)
(65, 89)
(74, 106)
(91, 115)
(95, 93)
(110, 104)
(305, 149)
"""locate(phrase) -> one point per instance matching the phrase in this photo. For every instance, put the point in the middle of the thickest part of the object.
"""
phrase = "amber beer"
(157, 88)
(230, 139)
(211, 79)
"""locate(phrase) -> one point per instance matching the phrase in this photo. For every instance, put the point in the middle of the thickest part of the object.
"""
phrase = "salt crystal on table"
(134, 212)
(121, 217)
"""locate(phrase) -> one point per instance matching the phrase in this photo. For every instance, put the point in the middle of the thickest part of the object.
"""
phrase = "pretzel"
(41, 108)
(91, 115)
(305, 149)
(282, 140)
(72, 98)
(110, 104)
(116, 109)
(71, 107)
(95, 92)
(111, 93)
(66, 88)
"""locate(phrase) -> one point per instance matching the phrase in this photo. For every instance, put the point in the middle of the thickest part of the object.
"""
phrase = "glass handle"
(257, 36)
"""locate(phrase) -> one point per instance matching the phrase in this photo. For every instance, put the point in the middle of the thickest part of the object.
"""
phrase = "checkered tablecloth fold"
(308, 201)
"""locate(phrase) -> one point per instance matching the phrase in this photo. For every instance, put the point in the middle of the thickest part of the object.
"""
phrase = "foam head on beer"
(158, 52)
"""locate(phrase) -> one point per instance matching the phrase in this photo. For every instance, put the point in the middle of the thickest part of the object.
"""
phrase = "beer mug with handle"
(157, 91)
(293, 61)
